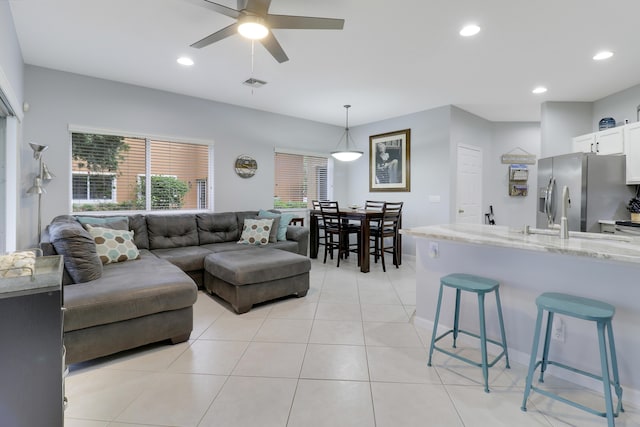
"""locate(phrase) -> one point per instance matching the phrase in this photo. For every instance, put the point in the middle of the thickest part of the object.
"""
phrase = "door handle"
(591, 149)
(597, 147)
(460, 210)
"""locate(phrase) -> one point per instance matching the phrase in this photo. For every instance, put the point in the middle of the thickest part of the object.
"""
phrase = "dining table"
(365, 217)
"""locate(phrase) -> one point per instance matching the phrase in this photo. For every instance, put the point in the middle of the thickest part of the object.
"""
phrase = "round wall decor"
(246, 166)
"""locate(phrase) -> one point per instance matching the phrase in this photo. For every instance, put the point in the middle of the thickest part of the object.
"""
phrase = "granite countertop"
(595, 245)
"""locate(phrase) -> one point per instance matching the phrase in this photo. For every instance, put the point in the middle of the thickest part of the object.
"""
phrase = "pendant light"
(346, 155)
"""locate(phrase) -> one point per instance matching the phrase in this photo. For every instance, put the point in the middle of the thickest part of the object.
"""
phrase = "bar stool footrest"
(465, 359)
(577, 405)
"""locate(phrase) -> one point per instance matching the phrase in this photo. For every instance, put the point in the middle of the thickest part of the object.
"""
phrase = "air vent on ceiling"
(254, 82)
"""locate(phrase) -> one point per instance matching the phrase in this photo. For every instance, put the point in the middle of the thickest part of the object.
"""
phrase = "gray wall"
(560, 122)
(434, 137)
(58, 99)
(621, 105)
(430, 168)
(469, 129)
(508, 136)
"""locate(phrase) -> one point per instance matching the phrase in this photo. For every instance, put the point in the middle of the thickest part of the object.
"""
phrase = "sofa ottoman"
(247, 277)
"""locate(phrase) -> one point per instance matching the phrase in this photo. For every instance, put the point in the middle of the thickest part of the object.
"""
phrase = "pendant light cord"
(346, 126)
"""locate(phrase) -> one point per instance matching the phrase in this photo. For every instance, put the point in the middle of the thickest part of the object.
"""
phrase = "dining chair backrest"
(391, 214)
(374, 205)
(330, 214)
(316, 204)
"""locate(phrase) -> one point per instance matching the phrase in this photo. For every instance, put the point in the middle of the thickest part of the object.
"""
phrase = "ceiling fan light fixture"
(346, 155)
(252, 27)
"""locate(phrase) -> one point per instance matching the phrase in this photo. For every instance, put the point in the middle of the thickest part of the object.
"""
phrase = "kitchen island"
(597, 266)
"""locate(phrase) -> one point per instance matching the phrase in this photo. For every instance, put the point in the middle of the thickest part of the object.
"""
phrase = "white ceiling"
(391, 59)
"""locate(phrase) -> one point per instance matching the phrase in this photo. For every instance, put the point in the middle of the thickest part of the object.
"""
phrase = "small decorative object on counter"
(634, 207)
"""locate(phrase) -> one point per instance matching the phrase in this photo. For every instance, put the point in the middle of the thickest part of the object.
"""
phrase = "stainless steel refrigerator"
(597, 190)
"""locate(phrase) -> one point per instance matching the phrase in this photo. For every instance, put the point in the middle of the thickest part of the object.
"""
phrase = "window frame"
(73, 128)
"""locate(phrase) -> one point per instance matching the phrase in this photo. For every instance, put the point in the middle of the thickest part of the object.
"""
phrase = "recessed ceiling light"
(539, 90)
(469, 30)
(183, 60)
(605, 54)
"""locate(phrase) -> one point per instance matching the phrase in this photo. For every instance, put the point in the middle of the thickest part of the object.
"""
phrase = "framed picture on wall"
(389, 161)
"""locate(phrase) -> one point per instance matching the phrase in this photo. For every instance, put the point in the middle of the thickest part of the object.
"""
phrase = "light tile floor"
(345, 355)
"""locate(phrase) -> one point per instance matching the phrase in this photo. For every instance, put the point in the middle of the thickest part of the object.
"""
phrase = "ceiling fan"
(255, 22)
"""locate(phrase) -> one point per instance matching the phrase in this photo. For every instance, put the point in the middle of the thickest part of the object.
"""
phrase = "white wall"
(58, 99)
(508, 136)
(560, 122)
(621, 105)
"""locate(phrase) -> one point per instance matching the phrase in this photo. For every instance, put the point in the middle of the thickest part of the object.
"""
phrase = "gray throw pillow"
(77, 247)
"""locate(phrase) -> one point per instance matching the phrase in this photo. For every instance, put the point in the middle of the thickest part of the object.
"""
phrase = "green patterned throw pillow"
(256, 232)
(113, 245)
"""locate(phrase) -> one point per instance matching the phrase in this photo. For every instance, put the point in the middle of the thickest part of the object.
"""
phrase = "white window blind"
(299, 179)
(110, 173)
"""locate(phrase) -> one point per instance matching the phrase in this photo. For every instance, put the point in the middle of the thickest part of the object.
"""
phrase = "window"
(96, 188)
(299, 180)
(109, 173)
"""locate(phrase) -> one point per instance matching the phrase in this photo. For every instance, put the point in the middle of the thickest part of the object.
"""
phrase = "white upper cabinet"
(584, 143)
(632, 150)
(608, 141)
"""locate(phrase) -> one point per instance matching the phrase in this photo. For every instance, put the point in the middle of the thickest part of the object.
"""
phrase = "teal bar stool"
(480, 286)
(585, 309)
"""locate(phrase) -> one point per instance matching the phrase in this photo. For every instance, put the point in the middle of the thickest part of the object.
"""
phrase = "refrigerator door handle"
(549, 201)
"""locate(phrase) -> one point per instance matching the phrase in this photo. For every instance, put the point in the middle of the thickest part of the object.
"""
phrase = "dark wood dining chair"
(337, 232)
(322, 238)
(387, 228)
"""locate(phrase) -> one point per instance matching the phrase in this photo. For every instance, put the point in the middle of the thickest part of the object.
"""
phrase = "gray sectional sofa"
(119, 306)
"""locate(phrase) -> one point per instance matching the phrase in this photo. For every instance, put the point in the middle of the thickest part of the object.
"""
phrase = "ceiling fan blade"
(304, 22)
(260, 7)
(231, 13)
(274, 48)
(217, 36)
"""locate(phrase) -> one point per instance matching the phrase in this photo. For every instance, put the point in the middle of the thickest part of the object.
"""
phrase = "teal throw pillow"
(285, 219)
(113, 222)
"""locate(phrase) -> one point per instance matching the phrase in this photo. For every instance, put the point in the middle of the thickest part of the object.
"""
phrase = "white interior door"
(469, 184)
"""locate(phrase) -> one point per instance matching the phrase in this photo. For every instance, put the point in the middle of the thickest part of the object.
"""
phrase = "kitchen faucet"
(564, 223)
